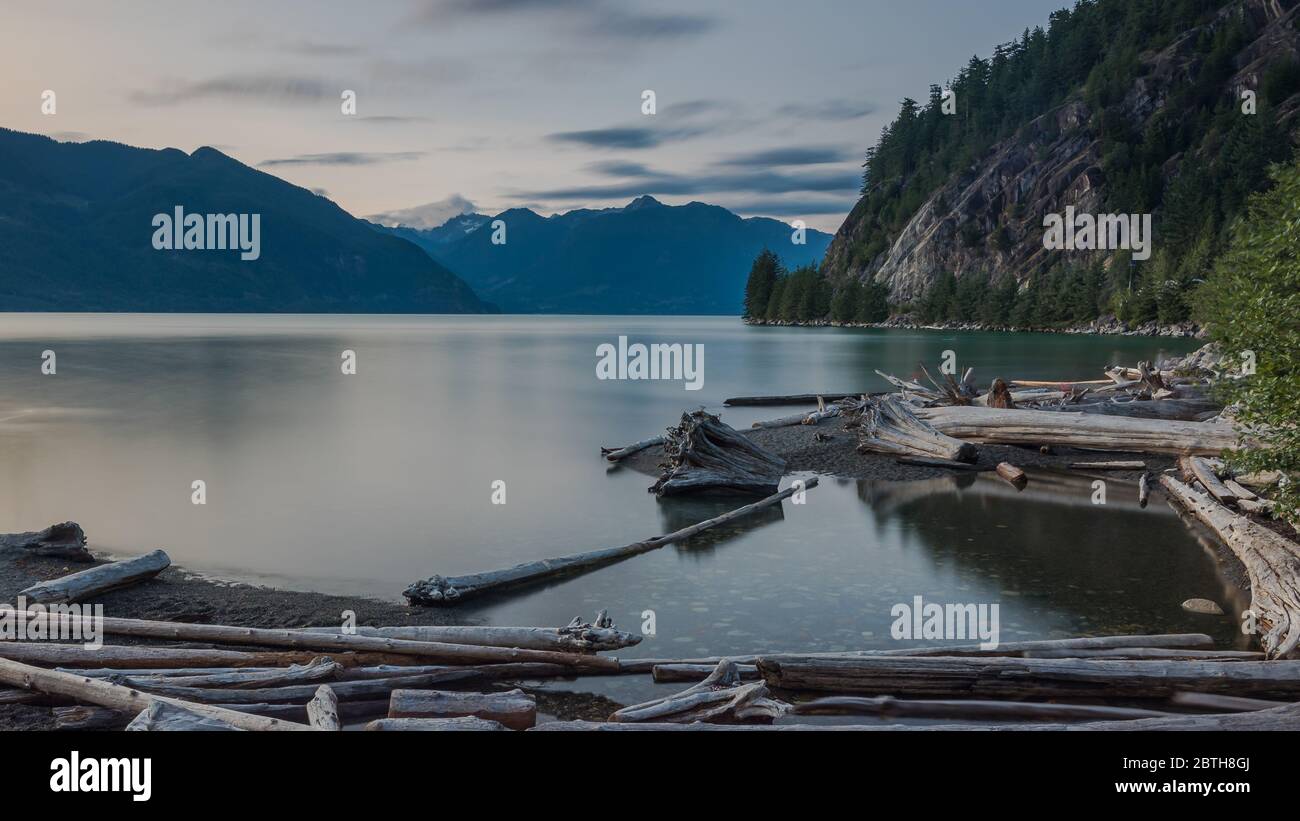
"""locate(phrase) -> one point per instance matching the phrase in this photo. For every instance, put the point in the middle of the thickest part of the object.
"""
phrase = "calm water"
(362, 484)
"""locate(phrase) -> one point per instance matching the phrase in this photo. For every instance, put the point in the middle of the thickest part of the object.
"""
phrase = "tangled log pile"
(703, 453)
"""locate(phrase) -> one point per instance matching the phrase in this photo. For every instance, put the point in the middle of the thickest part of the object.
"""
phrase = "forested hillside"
(1174, 108)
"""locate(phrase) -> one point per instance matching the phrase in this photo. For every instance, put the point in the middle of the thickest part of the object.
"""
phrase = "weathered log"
(1147, 653)
(1144, 489)
(1240, 491)
(790, 399)
(432, 725)
(1200, 470)
(162, 716)
(1066, 384)
(1272, 564)
(1122, 465)
(440, 590)
(1109, 433)
(664, 673)
(618, 454)
(577, 636)
(891, 426)
(1014, 475)
(318, 669)
(86, 690)
(81, 717)
(1223, 704)
(721, 696)
(1255, 506)
(1277, 719)
(63, 541)
(1006, 648)
(323, 710)
(514, 709)
(1185, 410)
(1026, 677)
(889, 707)
(89, 583)
(76, 655)
(704, 453)
(298, 639)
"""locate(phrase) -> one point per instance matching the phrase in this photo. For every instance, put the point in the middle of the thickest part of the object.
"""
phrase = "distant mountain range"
(644, 258)
(77, 229)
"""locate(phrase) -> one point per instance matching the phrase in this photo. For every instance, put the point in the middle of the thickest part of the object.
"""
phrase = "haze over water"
(362, 484)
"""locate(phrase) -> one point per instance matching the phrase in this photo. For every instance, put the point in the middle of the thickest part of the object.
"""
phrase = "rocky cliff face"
(989, 218)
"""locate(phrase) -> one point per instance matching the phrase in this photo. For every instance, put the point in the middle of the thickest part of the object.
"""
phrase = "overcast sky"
(763, 106)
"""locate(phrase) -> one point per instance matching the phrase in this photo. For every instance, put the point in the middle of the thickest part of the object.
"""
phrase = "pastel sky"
(763, 106)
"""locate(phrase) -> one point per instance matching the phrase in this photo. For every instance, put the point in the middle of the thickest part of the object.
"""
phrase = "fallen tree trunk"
(792, 399)
(61, 541)
(318, 669)
(162, 716)
(124, 699)
(891, 426)
(1026, 677)
(1198, 469)
(890, 707)
(1147, 653)
(298, 639)
(513, 709)
(76, 655)
(721, 696)
(576, 637)
(663, 673)
(1032, 427)
(440, 590)
(1186, 410)
(1272, 564)
(706, 454)
(90, 583)
(618, 454)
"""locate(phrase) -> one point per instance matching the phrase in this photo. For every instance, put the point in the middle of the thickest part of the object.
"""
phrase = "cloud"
(602, 18)
(344, 158)
(242, 87)
(834, 109)
(632, 137)
(792, 155)
(429, 215)
(665, 184)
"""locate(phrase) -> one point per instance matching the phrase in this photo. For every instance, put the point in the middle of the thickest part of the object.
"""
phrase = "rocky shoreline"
(1102, 326)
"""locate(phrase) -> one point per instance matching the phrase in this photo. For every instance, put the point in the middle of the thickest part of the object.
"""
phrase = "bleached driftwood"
(138, 656)
(1272, 564)
(434, 725)
(162, 716)
(440, 590)
(63, 541)
(789, 399)
(323, 710)
(90, 583)
(298, 639)
(663, 673)
(514, 709)
(1026, 677)
(618, 454)
(1033, 427)
(577, 636)
(84, 690)
(891, 426)
(890, 707)
(705, 454)
(1144, 489)
(721, 696)
(318, 669)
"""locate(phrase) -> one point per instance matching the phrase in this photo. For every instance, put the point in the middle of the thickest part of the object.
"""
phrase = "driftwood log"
(890, 707)
(790, 399)
(577, 636)
(136, 656)
(1014, 475)
(90, 583)
(318, 669)
(323, 710)
(440, 590)
(1272, 564)
(1033, 427)
(618, 454)
(81, 717)
(1123, 465)
(62, 541)
(299, 639)
(514, 709)
(1036, 678)
(890, 425)
(704, 453)
(721, 696)
(663, 673)
(84, 690)
(163, 716)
